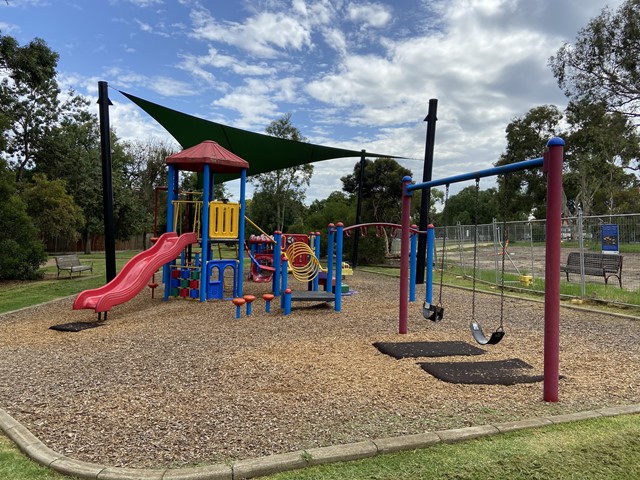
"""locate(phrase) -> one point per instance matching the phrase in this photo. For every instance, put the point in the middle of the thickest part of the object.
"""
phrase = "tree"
(527, 138)
(52, 209)
(435, 216)
(603, 66)
(381, 190)
(71, 152)
(28, 98)
(21, 254)
(468, 204)
(601, 145)
(337, 207)
(148, 171)
(280, 192)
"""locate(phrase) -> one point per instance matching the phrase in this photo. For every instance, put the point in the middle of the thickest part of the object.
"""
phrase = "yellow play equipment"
(223, 220)
(308, 271)
(181, 210)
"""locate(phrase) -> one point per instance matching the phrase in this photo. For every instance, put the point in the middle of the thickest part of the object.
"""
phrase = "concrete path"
(256, 467)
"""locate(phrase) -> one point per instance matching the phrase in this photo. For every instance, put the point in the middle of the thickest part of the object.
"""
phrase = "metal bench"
(596, 265)
(71, 264)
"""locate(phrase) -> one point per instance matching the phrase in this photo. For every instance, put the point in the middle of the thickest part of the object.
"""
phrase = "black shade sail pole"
(356, 236)
(107, 185)
(426, 194)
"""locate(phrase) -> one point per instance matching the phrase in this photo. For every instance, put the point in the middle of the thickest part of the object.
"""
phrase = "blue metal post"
(172, 175)
(206, 190)
(338, 293)
(431, 241)
(243, 183)
(277, 264)
(285, 278)
(286, 296)
(412, 269)
(331, 235)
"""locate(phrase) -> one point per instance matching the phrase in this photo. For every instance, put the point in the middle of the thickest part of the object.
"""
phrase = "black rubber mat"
(75, 326)
(427, 349)
(497, 372)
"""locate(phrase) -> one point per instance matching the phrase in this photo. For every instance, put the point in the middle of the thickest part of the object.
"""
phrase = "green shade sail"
(263, 152)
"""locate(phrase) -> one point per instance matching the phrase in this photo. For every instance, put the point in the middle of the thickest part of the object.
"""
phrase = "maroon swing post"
(552, 166)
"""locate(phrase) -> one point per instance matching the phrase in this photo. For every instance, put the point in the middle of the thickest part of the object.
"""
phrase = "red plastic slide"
(135, 274)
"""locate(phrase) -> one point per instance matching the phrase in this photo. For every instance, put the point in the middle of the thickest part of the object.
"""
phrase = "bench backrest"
(608, 262)
(66, 261)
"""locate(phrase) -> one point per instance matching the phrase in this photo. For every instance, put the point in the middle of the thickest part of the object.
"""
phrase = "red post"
(404, 256)
(553, 169)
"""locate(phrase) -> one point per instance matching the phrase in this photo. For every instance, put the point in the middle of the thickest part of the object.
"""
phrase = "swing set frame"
(551, 164)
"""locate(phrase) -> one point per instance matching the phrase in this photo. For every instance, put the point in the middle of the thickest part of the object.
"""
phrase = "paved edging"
(31, 446)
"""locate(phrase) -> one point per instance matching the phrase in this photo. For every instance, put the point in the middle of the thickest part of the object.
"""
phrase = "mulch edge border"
(32, 447)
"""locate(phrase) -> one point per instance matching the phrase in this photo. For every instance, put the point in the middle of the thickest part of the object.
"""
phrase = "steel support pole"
(553, 169)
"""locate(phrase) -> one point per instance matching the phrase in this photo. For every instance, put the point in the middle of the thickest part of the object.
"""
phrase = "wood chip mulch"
(184, 383)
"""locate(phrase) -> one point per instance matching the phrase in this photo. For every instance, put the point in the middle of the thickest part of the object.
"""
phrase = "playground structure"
(197, 274)
(212, 221)
(552, 166)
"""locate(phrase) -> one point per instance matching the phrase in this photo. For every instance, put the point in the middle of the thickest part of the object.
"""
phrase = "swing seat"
(435, 313)
(480, 337)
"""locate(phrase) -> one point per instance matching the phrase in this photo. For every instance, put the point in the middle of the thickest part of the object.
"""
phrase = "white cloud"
(335, 39)
(369, 14)
(145, 3)
(216, 60)
(8, 28)
(257, 100)
(265, 34)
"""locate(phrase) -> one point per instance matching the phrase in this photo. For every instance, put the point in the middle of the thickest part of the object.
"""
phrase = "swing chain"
(444, 242)
(505, 240)
(475, 251)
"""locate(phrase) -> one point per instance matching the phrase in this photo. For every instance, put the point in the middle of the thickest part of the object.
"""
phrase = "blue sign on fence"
(609, 235)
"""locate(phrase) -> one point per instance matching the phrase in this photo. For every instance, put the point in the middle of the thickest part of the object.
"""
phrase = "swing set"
(551, 164)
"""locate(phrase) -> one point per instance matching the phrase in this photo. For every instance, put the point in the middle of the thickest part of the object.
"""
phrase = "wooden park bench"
(71, 263)
(595, 264)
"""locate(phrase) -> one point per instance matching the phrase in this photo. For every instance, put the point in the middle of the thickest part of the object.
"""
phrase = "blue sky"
(355, 74)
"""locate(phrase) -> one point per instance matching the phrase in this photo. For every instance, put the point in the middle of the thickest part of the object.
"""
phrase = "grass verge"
(20, 294)
(590, 449)
(16, 466)
(593, 449)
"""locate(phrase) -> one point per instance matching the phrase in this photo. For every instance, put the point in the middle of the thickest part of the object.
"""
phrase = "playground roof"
(263, 152)
(220, 159)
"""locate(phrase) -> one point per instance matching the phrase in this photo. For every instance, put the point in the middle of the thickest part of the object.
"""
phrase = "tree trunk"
(87, 241)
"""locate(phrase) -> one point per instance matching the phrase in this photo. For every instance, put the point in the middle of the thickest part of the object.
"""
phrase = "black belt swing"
(435, 313)
(476, 329)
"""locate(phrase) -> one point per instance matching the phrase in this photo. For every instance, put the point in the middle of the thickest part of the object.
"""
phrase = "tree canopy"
(603, 66)
(279, 196)
(381, 189)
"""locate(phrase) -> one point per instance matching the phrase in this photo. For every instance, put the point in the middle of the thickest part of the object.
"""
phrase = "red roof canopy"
(219, 158)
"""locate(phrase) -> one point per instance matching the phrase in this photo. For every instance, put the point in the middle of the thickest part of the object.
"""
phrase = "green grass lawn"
(15, 295)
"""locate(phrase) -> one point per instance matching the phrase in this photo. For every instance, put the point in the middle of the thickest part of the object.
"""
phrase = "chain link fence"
(601, 256)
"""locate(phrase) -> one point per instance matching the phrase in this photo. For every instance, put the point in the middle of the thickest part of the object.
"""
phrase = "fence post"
(583, 280)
